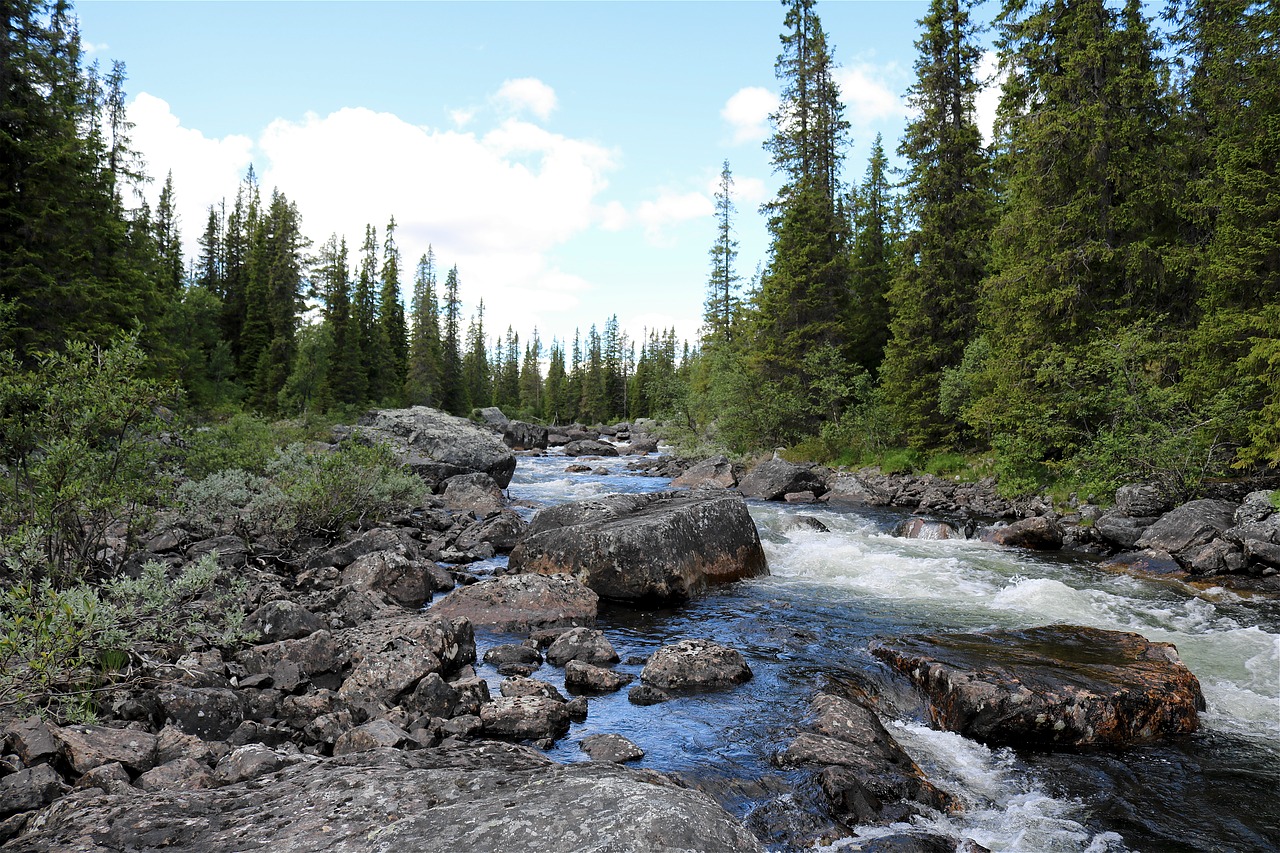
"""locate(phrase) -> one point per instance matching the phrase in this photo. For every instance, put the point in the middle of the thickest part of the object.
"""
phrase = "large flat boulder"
(774, 479)
(1058, 687)
(1182, 531)
(438, 446)
(645, 548)
(484, 796)
(522, 602)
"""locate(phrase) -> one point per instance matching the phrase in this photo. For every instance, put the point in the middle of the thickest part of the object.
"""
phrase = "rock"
(437, 446)
(522, 602)
(716, 471)
(585, 644)
(32, 740)
(477, 493)
(209, 713)
(232, 551)
(518, 686)
(924, 528)
(381, 678)
(1037, 533)
(519, 435)
(612, 748)
(180, 774)
(111, 778)
(588, 677)
(283, 620)
(774, 478)
(86, 747)
(248, 762)
(512, 653)
(644, 694)
(1214, 558)
(805, 523)
(370, 542)
(30, 789)
(852, 490)
(433, 697)
(372, 735)
(393, 575)
(525, 718)
(696, 664)
(1059, 687)
(1146, 563)
(589, 447)
(502, 531)
(1188, 527)
(1120, 529)
(1262, 552)
(482, 796)
(642, 445)
(292, 663)
(493, 416)
(645, 548)
(800, 497)
(1256, 507)
(867, 776)
(1139, 500)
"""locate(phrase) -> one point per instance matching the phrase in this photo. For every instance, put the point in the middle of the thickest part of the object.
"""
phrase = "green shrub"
(244, 441)
(59, 648)
(901, 461)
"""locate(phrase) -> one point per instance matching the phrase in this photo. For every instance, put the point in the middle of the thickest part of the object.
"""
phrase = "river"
(807, 625)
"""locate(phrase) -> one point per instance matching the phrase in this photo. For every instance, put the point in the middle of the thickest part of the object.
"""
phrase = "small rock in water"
(643, 694)
(614, 748)
(697, 664)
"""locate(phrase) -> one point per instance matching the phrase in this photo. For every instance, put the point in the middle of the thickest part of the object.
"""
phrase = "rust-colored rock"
(1058, 687)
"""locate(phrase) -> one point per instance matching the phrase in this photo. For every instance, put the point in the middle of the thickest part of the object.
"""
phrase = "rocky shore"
(357, 720)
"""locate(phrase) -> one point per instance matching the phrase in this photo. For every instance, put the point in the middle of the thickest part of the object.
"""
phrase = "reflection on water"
(809, 622)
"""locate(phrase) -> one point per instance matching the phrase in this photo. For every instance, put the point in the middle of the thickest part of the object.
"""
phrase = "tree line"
(1093, 295)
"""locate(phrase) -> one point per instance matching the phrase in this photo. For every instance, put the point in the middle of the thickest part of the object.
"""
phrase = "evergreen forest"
(1091, 297)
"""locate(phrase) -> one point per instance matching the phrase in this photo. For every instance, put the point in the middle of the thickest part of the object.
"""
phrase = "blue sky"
(562, 154)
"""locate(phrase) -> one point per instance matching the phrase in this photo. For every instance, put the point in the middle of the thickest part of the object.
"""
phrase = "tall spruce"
(871, 260)
(721, 310)
(934, 294)
(348, 383)
(168, 238)
(453, 389)
(391, 315)
(475, 363)
(425, 367)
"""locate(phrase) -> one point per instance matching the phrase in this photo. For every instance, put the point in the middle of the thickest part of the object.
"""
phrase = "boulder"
(804, 523)
(392, 575)
(519, 435)
(1122, 530)
(642, 445)
(525, 718)
(512, 653)
(477, 493)
(86, 747)
(371, 541)
(292, 663)
(587, 677)
(502, 531)
(926, 528)
(866, 777)
(180, 774)
(645, 548)
(774, 478)
(696, 664)
(383, 677)
(1057, 687)
(716, 471)
(283, 620)
(433, 697)
(1147, 563)
(481, 796)
(1255, 507)
(585, 644)
(438, 446)
(209, 713)
(519, 686)
(644, 694)
(590, 447)
(852, 490)
(32, 740)
(232, 551)
(248, 762)
(1036, 533)
(1138, 500)
(376, 734)
(30, 789)
(1188, 527)
(493, 417)
(612, 748)
(522, 602)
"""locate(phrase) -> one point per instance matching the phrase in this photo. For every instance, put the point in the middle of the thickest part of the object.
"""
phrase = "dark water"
(806, 628)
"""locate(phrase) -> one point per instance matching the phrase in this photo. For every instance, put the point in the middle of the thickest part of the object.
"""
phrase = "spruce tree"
(871, 263)
(423, 380)
(453, 389)
(391, 314)
(475, 363)
(346, 375)
(531, 390)
(721, 310)
(556, 406)
(168, 239)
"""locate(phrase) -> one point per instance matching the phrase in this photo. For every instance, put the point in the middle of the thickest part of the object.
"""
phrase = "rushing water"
(806, 626)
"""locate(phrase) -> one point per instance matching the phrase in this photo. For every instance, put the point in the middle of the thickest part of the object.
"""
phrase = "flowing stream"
(806, 626)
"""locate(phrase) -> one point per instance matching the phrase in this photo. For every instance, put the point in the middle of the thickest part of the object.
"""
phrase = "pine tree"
(453, 389)
(722, 307)
(531, 390)
(348, 383)
(168, 239)
(935, 291)
(556, 407)
(506, 392)
(475, 363)
(391, 314)
(423, 380)
(375, 345)
(871, 263)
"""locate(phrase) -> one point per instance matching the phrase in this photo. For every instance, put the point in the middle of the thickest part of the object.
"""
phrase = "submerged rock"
(645, 548)
(925, 528)
(1059, 686)
(1037, 533)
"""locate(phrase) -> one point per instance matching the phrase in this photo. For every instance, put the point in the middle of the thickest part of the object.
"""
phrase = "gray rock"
(86, 747)
(1188, 527)
(477, 492)
(248, 762)
(484, 796)
(585, 644)
(1037, 533)
(32, 740)
(642, 445)
(597, 679)
(283, 620)
(717, 471)
(502, 531)
(612, 748)
(522, 602)
(1256, 507)
(519, 686)
(493, 416)
(1146, 563)
(180, 774)
(645, 548)
(30, 789)
(433, 697)
(438, 446)
(370, 542)
(1120, 529)
(519, 435)
(645, 694)
(696, 664)
(774, 478)
(589, 447)
(852, 490)
(512, 653)
(525, 718)
(926, 528)
(382, 678)
(393, 575)
(111, 778)
(209, 713)
(1139, 500)
(232, 551)
(291, 663)
(1214, 558)
(376, 734)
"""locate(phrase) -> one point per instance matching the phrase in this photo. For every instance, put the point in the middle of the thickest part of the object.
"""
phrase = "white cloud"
(613, 216)
(746, 191)
(90, 48)
(527, 94)
(747, 111)
(867, 92)
(462, 118)
(669, 209)
(988, 98)
(496, 204)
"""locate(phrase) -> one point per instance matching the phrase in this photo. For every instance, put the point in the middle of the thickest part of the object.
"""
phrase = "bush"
(59, 648)
(244, 441)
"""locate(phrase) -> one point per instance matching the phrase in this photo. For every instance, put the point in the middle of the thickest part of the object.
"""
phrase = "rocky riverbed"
(746, 708)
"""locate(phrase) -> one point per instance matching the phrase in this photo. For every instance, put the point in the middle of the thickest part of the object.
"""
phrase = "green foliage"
(58, 647)
(903, 460)
(78, 436)
(303, 492)
(243, 441)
